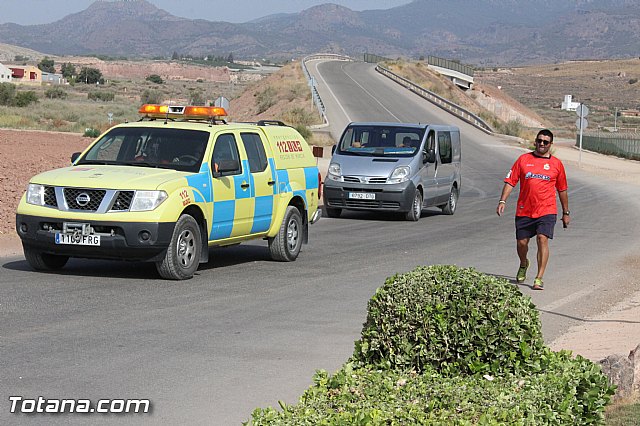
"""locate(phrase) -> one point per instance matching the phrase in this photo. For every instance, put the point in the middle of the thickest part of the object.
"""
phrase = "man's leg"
(523, 248)
(543, 254)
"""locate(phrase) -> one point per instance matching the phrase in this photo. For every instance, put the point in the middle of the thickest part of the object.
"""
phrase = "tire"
(452, 204)
(416, 207)
(332, 212)
(44, 261)
(182, 258)
(286, 246)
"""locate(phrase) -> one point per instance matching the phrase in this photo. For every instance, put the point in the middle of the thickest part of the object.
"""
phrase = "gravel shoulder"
(26, 153)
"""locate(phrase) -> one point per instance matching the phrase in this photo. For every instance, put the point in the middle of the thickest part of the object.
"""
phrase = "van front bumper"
(139, 241)
(384, 197)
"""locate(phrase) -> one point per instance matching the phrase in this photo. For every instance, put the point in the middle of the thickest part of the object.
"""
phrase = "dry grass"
(601, 85)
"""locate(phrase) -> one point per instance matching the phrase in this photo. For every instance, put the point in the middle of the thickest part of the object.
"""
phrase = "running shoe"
(538, 284)
(522, 273)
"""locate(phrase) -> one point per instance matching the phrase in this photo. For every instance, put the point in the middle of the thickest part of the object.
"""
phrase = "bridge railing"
(315, 96)
(437, 100)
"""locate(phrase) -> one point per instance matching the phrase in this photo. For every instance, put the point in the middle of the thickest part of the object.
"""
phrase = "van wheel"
(333, 212)
(44, 261)
(416, 207)
(183, 254)
(450, 207)
(286, 246)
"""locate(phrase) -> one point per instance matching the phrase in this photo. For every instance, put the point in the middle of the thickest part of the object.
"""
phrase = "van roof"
(409, 125)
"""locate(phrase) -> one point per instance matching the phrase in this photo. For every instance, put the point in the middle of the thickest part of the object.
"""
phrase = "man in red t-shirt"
(540, 175)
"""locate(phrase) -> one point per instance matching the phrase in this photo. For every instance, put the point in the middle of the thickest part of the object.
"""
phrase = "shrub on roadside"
(151, 97)
(55, 93)
(101, 96)
(568, 391)
(457, 321)
(25, 98)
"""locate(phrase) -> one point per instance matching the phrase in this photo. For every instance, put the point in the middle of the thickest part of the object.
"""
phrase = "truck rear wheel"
(286, 246)
(44, 261)
(183, 254)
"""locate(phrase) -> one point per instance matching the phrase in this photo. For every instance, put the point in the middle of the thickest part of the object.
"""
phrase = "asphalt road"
(246, 332)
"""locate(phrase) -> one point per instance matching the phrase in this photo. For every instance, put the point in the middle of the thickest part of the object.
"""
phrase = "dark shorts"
(528, 227)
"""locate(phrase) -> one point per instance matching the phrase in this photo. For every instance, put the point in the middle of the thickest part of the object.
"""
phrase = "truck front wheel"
(43, 261)
(183, 254)
(286, 245)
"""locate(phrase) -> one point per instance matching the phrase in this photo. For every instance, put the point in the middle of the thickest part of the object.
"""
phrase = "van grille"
(364, 179)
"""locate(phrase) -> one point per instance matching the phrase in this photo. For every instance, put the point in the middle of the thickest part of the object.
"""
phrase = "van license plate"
(362, 196)
(78, 239)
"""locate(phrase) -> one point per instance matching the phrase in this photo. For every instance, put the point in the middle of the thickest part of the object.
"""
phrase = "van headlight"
(400, 174)
(334, 172)
(35, 194)
(147, 200)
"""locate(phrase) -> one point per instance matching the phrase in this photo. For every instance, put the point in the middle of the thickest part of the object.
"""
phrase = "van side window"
(444, 146)
(225, 150)
(255, 152)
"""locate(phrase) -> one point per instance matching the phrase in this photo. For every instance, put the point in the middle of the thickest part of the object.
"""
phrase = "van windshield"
(177, 149)
(381, 141)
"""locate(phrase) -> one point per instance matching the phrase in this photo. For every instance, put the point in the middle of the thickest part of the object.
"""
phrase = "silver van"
(394, 167)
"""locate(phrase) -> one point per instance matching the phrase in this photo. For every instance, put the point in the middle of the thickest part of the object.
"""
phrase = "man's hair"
(546, 132)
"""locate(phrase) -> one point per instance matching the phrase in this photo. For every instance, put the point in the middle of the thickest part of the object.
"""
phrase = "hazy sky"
(28, 12)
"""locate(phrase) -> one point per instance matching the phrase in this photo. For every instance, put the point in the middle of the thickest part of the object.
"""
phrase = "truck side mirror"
(75, 156)
(225, 167)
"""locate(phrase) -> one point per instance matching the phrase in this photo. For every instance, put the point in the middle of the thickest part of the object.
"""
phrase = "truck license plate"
(78, 239)
(362, 196)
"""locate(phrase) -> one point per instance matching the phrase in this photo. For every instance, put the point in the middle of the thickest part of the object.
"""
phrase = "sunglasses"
(543, 142)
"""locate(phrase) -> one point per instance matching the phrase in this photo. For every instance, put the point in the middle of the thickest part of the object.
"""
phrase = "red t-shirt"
(539, 178)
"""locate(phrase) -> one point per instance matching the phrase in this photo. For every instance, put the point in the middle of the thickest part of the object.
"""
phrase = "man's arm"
(564, 202)
(506, 191)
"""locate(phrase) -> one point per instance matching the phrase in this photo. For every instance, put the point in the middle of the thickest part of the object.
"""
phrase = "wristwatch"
(566, 213)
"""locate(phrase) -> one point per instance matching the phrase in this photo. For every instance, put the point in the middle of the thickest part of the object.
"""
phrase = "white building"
(568, 104)
(5, 74)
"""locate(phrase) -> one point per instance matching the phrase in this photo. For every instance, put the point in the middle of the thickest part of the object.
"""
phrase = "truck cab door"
(263, 181)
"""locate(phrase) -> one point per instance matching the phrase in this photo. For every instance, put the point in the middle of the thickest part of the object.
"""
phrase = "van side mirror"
(75, 156)
(429, 156)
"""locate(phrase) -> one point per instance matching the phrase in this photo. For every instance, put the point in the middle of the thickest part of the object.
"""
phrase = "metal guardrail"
(449, 64)
(618, 144)
(315, 96)
(437, 100)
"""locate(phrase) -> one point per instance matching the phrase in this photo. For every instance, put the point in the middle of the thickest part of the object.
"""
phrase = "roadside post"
(581, 124)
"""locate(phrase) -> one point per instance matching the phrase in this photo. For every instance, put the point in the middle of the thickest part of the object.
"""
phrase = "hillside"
(482, 32)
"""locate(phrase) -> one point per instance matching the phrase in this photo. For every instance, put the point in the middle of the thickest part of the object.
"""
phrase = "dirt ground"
(26, 153)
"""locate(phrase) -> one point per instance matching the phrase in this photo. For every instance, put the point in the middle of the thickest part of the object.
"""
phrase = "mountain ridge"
(482, 32)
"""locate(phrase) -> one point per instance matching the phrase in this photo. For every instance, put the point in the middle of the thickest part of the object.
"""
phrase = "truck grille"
(123, 201)
(83, 199)
(50, 197)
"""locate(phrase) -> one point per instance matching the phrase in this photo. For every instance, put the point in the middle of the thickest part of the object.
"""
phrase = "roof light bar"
(185, 112)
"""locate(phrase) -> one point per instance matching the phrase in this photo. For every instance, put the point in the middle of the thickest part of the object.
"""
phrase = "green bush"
(458, 321)
(155, 78)
(25, 98)
(101, 96)
(90, 132)
(569, 391)
(55, 93)
(7, 93)
(265, 99)
(151, 97)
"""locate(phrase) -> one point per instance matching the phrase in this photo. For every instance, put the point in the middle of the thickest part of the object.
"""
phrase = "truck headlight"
(35, 194)
(147, 200)
(334, 172)
(400, 174)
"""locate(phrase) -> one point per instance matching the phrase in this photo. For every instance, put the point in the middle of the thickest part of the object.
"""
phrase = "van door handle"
(271, 182)
(244, 185)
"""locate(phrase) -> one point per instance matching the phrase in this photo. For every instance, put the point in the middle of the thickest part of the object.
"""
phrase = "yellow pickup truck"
(167, 187)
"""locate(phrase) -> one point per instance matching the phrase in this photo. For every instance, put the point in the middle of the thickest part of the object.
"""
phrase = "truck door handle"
(271, 182)
(244, 185)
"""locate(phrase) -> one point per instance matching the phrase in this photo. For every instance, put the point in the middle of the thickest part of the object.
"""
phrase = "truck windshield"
(381, 141)
(178, 149)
